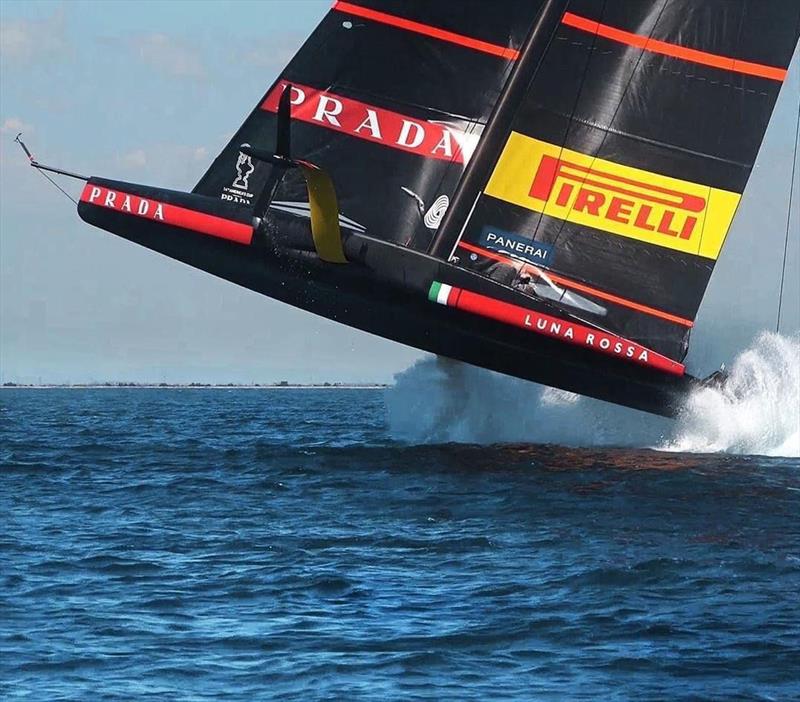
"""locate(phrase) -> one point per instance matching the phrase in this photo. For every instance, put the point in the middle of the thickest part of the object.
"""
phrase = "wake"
(756, 410)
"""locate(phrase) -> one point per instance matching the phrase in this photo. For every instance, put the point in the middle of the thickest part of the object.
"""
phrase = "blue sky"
(149, 92)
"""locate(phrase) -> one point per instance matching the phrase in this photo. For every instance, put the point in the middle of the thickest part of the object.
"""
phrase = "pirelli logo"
(622, 200)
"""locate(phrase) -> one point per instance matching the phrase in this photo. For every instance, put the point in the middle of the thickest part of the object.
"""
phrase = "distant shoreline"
(194, 386)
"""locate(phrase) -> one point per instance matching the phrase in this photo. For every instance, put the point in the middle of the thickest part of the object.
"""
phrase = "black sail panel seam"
(575, 104)
(599, 148)
(641, 139)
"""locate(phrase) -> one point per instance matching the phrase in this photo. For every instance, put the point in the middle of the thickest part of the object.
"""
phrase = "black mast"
(498, 125)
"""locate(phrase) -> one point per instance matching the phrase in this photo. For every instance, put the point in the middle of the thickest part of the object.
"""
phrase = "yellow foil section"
(324, 214)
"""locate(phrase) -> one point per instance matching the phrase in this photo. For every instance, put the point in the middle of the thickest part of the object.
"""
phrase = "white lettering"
(590, 339)
(110, 197)
(629, 352)
(445, 144)
(643, 356)
(416, 140)
(95, 193)
(618, 347)
(300, 96)
(371, 122)
(604, 343)
(159, 213)
(126, 203)
(466, 143)
(568, 334)
(555, 328)
(144, 205)
(528, 320)
(328, 114)
(541, 324)
(508, 244)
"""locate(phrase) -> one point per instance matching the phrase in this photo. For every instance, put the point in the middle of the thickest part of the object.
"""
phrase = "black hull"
(377, 293)
(605, 167)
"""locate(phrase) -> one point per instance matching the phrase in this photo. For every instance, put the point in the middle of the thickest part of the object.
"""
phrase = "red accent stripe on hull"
(675, 50)
(575, 285)
(427, 30)
(561, 329)
(164, 213)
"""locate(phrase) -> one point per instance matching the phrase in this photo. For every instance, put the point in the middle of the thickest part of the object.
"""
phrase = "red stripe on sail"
(427, 30)
(164, 213)
(369, 122)
(575, 285)
(675, 50)
(563, 330)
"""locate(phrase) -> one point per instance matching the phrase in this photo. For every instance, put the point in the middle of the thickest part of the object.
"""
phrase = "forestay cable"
(42, 168)
(788, 220)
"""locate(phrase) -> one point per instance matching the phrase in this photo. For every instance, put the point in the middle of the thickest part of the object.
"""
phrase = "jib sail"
(613, 189)
(390, 97)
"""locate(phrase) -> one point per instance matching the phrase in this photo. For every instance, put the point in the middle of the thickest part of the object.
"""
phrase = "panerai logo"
(515, 245)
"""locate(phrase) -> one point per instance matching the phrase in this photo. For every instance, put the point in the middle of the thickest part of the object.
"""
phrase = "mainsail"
(619, 177)
(390, 97)
(539, 187)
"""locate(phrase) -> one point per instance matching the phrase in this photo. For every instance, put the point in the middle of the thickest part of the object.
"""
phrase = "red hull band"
(561, 329)
(148, 208)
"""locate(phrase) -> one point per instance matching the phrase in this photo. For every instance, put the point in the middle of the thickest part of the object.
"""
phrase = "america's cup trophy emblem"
(244, 169)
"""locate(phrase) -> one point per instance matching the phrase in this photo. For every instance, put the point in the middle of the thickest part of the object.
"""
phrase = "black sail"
(390, 97)
(538, 187)
(615, 186)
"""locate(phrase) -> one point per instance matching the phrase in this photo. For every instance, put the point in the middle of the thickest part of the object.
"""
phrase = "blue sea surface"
(279, 544)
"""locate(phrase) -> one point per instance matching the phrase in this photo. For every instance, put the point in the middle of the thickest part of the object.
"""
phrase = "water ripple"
(205, 545)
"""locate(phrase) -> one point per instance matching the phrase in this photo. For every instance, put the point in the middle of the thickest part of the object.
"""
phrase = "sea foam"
(755, 411)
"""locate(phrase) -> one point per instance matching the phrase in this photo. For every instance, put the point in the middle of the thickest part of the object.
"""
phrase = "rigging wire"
(58, 186)
(788, 220)
(42, 168)
(571, 118)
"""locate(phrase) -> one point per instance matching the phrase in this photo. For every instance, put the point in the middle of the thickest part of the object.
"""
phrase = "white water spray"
(438, 400)
(756, 411)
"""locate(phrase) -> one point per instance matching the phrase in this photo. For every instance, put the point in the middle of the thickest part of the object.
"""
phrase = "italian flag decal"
(439, 292)
(554, 327)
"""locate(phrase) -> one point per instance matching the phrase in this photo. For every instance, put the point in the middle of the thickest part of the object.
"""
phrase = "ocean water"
(298, 545)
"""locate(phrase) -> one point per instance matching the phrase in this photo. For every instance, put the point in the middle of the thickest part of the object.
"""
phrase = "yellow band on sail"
(622, 200)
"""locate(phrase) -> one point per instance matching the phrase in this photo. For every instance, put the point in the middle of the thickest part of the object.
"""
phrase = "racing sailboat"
(538, 187)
